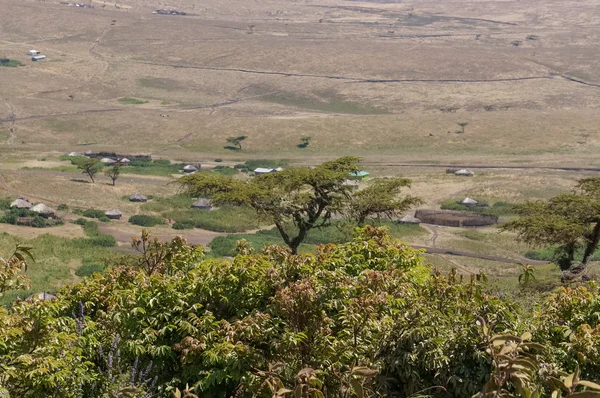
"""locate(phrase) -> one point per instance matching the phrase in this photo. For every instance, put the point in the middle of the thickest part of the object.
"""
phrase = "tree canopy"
(362, 319)
(89, 166)
(570, 221)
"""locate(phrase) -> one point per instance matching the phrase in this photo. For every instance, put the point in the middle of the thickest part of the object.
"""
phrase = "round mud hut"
(43, 210)
(202, 204)
(113, 214)
(21, 204)
(138, 198)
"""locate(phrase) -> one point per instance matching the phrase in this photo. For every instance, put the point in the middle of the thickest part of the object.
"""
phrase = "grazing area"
(313, 199)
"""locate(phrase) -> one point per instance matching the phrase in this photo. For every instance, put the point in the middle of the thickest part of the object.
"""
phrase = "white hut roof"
(124, 160)
(190, 167)
(202, 202)
(279, 169)
(73, 154)
(43, 296)
(463, 172)
(42, 209)
(468, 201)
(263, 170)
(21, 204)
(138, 196)
(113, 212)
(409, 220)
(108, 160)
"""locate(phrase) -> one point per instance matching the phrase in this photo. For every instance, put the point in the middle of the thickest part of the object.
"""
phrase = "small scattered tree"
(462, 126)
(71, 97)
(571, 222)
(304, 142)
(113, 173)
(90, 166)
(381, 198)
(236, 141)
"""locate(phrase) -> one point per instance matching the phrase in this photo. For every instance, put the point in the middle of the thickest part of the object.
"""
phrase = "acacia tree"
(237, 141)
(91, 167)
(463, 125)
(381, 198)
(304, 142)
(296, 200)
(569, 221)
(113, 173)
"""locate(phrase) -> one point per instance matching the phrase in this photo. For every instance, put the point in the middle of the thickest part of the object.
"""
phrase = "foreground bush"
(366, 316)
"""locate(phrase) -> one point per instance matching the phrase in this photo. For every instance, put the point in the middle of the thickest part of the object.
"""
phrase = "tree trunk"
(592, 245)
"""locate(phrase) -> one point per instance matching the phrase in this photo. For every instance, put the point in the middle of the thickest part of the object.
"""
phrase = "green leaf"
(358, 388)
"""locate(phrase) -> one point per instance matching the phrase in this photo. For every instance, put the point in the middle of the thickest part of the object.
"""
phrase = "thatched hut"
(190, 168)
(408, 219)
(43, 210)
(113, 214)
(202, 204)
(464, 173)
(108, 161)
(21, 204)
(138, 198)
(468, 202)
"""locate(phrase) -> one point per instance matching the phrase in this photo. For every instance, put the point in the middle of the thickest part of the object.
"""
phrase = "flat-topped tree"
(236, 141)
(380, 199)
(570, 221)
(89, 166)
(296, 200)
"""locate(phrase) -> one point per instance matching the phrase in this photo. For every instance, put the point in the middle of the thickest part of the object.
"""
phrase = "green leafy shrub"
(146, 220)
(99, 240)
(80, 221)
(5, 204)
(62, 207)
(225, 219)
(183, 225)
(104, 219)
(218, 160)
(88, 269)
(93, 213)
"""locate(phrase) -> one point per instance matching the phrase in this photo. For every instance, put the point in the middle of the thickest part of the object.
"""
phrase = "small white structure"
(202, 204)
(89, 152)
(108, 161)
(409, 220)
(468, 202)
(279, 169)
(113, 214)
(21, 204)
(43, 210)
(262, 170)
(464, 173)
(124, 161)
(33, 52)
(38, 58)
(190, 168)
(75, 154)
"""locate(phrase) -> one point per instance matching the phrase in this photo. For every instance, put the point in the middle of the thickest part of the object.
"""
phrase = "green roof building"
(359, 175)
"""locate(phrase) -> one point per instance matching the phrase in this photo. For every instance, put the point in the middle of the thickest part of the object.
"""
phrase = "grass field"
(387, 81)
